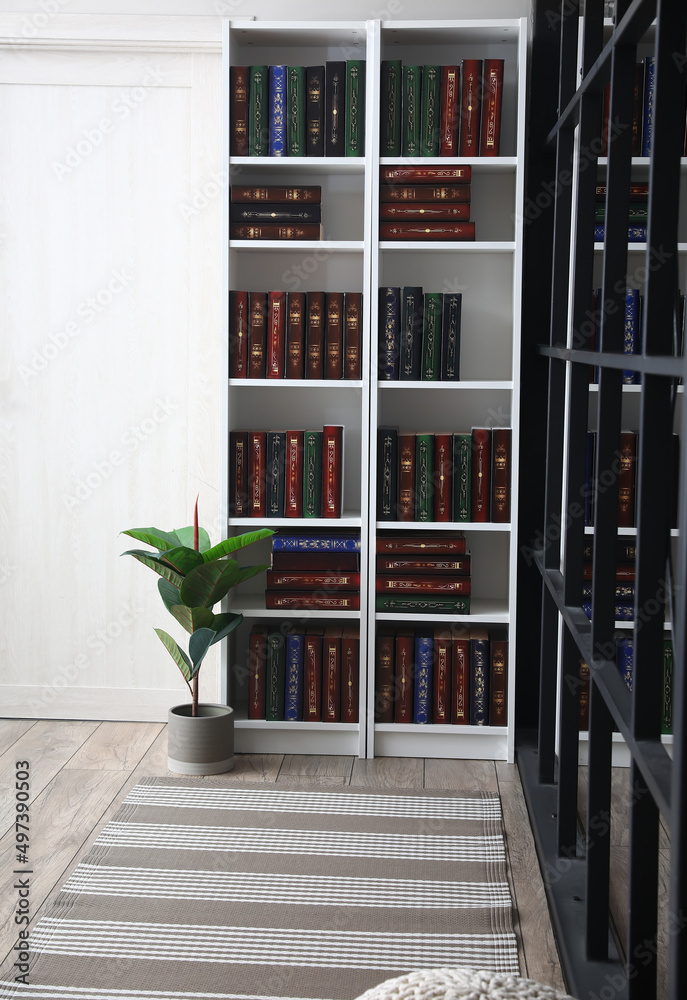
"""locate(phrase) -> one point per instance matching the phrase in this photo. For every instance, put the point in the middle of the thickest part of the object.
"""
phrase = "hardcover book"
(415, 211)
(462, 477)
(314, 336)
(419, 604)
(276, 212)
(310, 194)
(389, 333)
(258, 113)
(430, 120)
(238, 334)
(479, 677)
(421, 584)
(424, 477)
(500, 474)
(276, 677)
(276, 334)
(412, 97)
(275, 231)
(450, 96)
(277, 99)
(387, 473)
(239, 85)
(391, 106)
(667, 712)
(257, 669)
(256, 478)
(424, 564)
(321, 542)
(498, 680)
(406, 478)
(384, 675)
(274, 473)
(403, 682)
(424, 663)
(648, 118)
(350, 670)
(314, 110)
(441, 708)
(411, 333)
(312, 474)
(422, 543)
(312, 673)
(303, 601)
(355, 107)
(443, 475)
(239, 464)
(293, 472)
(424, 192)
(481, 473)
(293, 695)
(427, 230)
(626, 479)
(331, 674)
(333, 337)
(257, 305)
(335, 109)
(450, 336)
(328, 562)
(470, 107)
(437, 176)
(492, 98)
(353, 310)
(460, 681)
(332, 470)
(623, 656)
(295, 111)
(295, 335)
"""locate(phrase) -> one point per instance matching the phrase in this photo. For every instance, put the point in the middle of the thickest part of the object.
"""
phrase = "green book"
(431, 337)
(638, 213)
(355, 107)
(412, 95)
(258, 112)
(424, 605)
(667, 713)
(312, 474)
(431, 111)
(295, 117)
(390, 112)
(424, 471)
(462, 469)
(275, 678)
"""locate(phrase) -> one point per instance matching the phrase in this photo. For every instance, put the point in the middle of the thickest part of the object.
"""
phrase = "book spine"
(389, 333)
(331, 675)
(441, 706)
(424, 662)
(479, 678)
(276, 334)
(391, 100)
(293, 465)
(277, 212)
(623, 611)
(430, 564)
(333, 340)
(310, 194)
(623, 592)
(431, 337)
(460, 686)
(450, 81)
(481, 473)
(626, 479)
(256, 480)
(635, 234)
(332, 470)
(415, 211)
(353, 311)
(274, 231)
(500, 474)
(470, 107)
(403, 680)
(315, 543)
(583, 699)
(258, 116)
(420, 604)
(490, 128)
(667, 710)
(355, 107)
(384, 676)
(293, 684)
(301, 600)
(631, 332)
(421, 544)
(295, 335)
(412, 309)
(424, 192)
(350, 670)
(623, 656)
(312, 675)
(274, 473)
(638, 110)
(412, 97)
(238, 76)
(296, 111)
(238, 336)
(257, 650)
(427, 231)
(648, 117)
(312, 474)
(421, 584)
(461, 176)
(276, 677)
(638, 191)
(277, 105)
(314, 110)
(450, 336)
(239, 464)
(335, 109)
(443, 461)
(424, 473)
(430, 123)
(257, 304)
(387, 473)
(314, 351)
(498, 679)
(406, 478)
(462, 477)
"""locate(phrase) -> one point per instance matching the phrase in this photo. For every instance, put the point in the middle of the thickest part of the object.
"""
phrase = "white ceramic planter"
(203, 744)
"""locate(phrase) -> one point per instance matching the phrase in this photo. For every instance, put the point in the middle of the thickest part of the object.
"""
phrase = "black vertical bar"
(598, 829)
(568, 746)
(642, 935)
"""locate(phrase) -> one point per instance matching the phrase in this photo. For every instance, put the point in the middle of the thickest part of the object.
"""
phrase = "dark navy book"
(389, 333)
(424, 662)
(277, 106)
(293, 696)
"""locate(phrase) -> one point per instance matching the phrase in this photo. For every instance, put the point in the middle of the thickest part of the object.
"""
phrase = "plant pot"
(201, 744)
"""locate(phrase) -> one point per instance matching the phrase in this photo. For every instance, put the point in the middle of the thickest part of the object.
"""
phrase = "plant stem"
(194, 697)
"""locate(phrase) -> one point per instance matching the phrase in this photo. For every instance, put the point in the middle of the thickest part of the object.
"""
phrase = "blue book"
(389, 333)
(277, 106)
(412, 319)
(624, 610)
(424, 661)
(648, 122)
(635, 234)
(479, 677)
(632, 335)
(293, 701)
(283, 542)
(623, 659)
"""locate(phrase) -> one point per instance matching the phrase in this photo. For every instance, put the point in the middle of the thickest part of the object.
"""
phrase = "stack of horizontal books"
(275, 212)
(424, 573)
(314, 571)
(425, 203)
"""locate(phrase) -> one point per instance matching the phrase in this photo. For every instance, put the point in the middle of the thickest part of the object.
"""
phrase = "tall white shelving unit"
(488, 272)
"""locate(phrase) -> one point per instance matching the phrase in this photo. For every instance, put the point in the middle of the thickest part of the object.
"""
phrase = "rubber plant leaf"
(182, 559)
(207, 584)
(193, 618)
(156, 564)
(238, 542)
(225, 623)
(178, 655)
(169, 594)
(198, 645)
(154, 536)
(185, 537)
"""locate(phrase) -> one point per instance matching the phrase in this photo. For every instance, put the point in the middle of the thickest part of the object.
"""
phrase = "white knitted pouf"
(461, 984)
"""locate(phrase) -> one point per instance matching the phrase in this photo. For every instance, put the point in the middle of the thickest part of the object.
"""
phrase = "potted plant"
(194, 576)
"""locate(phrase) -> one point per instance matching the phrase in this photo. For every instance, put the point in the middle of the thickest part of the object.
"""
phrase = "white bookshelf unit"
(488, 273)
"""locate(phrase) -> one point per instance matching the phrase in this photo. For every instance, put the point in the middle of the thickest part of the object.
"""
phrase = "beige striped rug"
(205, 890)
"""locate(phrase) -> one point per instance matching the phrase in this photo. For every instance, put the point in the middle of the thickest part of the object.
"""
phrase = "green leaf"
(248, 571)
(182, 559)
(156, 564)
(153, 536)
(198, 645)
(238, 542)
(225, 623)
(207, 584)
(185, 537)
(169, 594)
(178, 655)
(193, 618)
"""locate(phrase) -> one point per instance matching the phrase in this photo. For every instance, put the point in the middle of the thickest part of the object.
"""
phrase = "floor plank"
(465, 775)
(116, 746)
(11, 730)
(388, 772)
(295, 764)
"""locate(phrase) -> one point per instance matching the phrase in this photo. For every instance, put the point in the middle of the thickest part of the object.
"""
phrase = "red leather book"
(396, 583)
(481, 473)
(275, 231)
(423, 564)
(584, 696)
(238, 111)
(470, 107)
(460, 681)
(443, 464)
(333, 335)
(311, 580)
(256, 477)
(302, 600)
(427, 231)
(295, 334)
(498, 680)
(492, 98)
(406, 477)
(353, 335)
(276, 334)
(441, 679)
(293, 464)
(426, 175)
(424, 192)
(312, 674)
(626, 479)
(239, 464)
(257, 649)
(238, 334)
(623, 571)
(311, 193)
(404, 655)
(323, 562)
(332, 470)
(500, 474)
(350, 670)
(257, 303)
(384, 675)
(314, 336)
(639, 191)
(450, 96)
(331, 674)
(423, 543)
(415, 211)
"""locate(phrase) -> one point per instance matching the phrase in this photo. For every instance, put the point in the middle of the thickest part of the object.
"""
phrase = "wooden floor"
(80, 772)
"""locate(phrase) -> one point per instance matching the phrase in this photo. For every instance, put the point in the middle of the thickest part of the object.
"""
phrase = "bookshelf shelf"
(445, 386)
(301, 164)
(466, 246)
(288, 246)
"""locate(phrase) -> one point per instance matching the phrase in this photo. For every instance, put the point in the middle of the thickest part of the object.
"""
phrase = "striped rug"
(201, 890)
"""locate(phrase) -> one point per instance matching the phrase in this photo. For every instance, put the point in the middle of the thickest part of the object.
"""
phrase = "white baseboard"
(101, 704)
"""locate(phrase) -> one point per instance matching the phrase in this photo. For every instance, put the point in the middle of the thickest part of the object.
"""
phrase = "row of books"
(448, 676)
(425, 203)
(419, 334)
(296, 473)
(295, 335)
(298, 110)
(441, 110)
(444, 477)
(275, 212)
(303, 674)
(624, 658)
